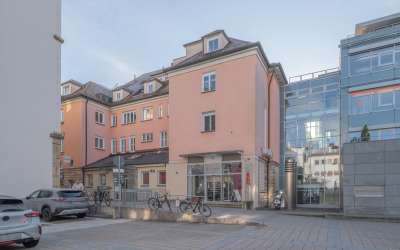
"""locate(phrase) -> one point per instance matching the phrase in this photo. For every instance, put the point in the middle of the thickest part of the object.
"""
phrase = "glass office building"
(313, 138)
(370, 80)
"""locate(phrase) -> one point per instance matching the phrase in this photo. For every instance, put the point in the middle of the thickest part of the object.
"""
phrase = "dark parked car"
(58, 202)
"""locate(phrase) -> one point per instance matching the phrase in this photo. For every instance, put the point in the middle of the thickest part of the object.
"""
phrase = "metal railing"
(312, 75)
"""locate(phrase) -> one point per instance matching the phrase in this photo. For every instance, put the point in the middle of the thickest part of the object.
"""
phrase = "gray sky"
(110, 41)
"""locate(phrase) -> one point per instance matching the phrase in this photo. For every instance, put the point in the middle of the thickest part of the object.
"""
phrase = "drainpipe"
(269, 133)
(86, 142)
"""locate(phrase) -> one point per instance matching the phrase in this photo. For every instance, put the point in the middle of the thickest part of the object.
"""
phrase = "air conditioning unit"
(267, 152)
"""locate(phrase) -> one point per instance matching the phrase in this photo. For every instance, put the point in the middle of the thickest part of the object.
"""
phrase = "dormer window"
(213, 44)
(118, 95)
(148, 87)
(66, 89)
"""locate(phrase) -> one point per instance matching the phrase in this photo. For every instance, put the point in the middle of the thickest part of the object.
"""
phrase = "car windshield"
(70, 194)
(11, 205)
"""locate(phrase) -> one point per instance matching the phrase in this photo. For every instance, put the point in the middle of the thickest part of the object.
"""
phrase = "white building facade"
(30, 51)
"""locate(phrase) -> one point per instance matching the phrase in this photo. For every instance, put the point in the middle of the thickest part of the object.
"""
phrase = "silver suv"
(18, 224)
(58, 202)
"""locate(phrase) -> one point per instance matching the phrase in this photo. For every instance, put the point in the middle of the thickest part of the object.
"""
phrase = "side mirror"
(27, 197)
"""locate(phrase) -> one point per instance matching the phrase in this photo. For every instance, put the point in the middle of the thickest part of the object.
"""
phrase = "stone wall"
(371, 178)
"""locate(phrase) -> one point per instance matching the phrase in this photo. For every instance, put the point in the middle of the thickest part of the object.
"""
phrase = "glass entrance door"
(214, 188)
(228, 188)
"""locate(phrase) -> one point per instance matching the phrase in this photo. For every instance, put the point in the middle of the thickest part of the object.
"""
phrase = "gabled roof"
(144, 157)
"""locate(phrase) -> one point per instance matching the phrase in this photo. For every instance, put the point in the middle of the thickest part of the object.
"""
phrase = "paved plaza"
(278, 232)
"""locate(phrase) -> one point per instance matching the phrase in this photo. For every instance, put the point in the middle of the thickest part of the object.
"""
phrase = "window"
(212, 45)
(162, 178)
(99, 142)
(113, 120)
(99, 117)
(147, 113)
(163, 139)
(385, 99)
(62, 145)
(45, 194)
(208, 121)
(147, 137)
(66, 89)
(103, 180)
(122, 145)
(316, 162)
(131, 144)
(359, 104)
(90, 180)
(160, 111)
(208, 82)
(118, 96)
(149, 88)
(360, 65)
(128, 117)
(386, 59)
(145, 178)
(113, 146)
(312, 129)
(62, 116)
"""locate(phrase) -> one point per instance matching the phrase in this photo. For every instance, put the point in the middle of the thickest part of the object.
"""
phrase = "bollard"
(290, 183)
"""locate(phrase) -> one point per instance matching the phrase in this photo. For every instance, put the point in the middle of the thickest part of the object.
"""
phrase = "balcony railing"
(312, 75)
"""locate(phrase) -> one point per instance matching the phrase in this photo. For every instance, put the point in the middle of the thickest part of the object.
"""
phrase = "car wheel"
(80, 216)
(30, 244)
(46, 214)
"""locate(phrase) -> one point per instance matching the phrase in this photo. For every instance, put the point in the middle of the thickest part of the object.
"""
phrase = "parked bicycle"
(195, 204)
(100, 196)
(156, 203)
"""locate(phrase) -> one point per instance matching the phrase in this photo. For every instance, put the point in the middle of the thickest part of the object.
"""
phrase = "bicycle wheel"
(152, 203)
(205, 210)
(184, 206)
(107, 199)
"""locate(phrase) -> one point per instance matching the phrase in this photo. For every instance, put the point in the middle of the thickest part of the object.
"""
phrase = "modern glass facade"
(313, 139)
(370, 83)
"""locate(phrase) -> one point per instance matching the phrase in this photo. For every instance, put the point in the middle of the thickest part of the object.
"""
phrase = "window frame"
(211, 122)
(143, 173)
(62, 145)
(163, 139)
(128, 117)
(66, 89)
(98, 139)
(113, 146)
(380, 104)
(122, 142)
(160, 111)
(203, 83)
(211, 41)
(159, 178)
(131, 143)
(113, 121)
(149, 108)
(147, 137)
(101, 180)
(99, 117)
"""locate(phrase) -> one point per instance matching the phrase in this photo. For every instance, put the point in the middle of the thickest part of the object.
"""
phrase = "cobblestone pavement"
(280, 232)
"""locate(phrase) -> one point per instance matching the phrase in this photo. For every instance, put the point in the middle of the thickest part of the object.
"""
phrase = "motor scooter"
(279, 200)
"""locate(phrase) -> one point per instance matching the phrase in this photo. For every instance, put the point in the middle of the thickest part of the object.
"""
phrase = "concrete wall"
(371, 178)
(30, 87)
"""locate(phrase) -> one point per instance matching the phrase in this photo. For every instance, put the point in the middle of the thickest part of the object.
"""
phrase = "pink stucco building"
(208, 125)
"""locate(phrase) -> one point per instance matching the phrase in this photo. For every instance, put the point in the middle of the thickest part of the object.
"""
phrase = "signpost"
(119, 162)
